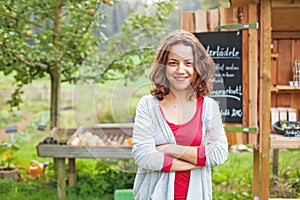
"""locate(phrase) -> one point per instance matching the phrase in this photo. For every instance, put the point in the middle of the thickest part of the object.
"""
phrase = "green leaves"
(28, 49)
(129, 54)
(106, 180)
(35, 43)
(6, 152)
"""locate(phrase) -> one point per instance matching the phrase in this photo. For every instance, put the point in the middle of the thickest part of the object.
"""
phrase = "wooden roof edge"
(242, 2)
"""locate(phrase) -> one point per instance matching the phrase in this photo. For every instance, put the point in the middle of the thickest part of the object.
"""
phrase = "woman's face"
(180, 67)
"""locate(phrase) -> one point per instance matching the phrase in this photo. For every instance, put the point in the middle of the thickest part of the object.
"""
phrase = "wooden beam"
(243, 17)
(187, 21)
(228, 16)
(286, 34)
(281, 142)
(242, 2)
(256, 174)
(275, 162)
(253, 72)
(285, 4)
(285, 19)
(212, 19)
(200, 21)
(265, 95)
(253, 95)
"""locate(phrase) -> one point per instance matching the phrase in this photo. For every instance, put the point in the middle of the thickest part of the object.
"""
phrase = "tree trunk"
(55, 72)
(55, 97)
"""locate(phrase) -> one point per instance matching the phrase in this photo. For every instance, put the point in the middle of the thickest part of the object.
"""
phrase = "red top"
(187, 134)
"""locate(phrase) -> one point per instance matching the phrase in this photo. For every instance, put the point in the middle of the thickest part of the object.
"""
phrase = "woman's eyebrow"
(172, 59)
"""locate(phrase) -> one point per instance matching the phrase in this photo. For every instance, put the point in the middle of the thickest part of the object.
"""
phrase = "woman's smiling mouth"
(180, 78)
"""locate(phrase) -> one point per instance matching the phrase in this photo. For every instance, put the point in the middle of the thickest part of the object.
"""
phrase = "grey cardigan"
(150, 129)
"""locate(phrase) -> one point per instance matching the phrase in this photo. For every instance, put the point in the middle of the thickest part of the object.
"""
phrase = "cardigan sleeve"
(168, 161)
(215, 141)
(143, 145)
(201, 157)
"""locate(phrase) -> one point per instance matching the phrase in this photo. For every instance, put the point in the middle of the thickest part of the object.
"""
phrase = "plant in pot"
(7, 170)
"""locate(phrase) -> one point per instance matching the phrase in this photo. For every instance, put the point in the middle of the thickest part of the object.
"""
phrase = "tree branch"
(90, 22)
(75, 79)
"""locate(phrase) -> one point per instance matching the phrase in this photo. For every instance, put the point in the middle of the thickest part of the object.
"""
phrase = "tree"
(42, 37)
(54, 38)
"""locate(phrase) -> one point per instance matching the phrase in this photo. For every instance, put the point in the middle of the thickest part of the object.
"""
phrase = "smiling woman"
(178, 133)
(180, 70)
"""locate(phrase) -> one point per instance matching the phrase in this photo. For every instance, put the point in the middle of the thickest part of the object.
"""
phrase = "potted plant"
(7, 170)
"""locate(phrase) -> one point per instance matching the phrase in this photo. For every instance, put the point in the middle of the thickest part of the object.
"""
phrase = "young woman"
(178, 132)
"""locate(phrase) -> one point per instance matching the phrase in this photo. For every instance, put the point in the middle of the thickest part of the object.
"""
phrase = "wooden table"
(277, 142)
(60, 153)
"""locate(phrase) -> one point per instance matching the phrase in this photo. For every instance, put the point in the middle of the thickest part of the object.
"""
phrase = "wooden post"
(253, 73)
(61, 174)
(253, 94)
(243, 17)
(265, 95)
(256, 174)
(72, 172)
(275, 161)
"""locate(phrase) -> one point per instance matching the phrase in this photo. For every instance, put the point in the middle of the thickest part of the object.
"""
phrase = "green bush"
(103, 180)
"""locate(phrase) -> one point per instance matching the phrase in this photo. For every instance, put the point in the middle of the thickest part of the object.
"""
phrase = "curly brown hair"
(204, 66)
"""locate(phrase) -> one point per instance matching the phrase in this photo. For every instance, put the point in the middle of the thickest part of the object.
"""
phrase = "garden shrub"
(105, 179)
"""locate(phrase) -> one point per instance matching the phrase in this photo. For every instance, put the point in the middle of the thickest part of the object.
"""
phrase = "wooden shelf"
(278, 141)
(285, 88)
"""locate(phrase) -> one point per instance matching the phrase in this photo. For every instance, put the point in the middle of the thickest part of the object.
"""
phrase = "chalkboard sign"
(226, 50)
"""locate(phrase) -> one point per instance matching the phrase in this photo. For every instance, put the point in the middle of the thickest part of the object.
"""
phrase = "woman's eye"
(189, 63)
(172, 63)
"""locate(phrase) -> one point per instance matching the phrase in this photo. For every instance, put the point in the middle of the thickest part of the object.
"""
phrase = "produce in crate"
(86, 139)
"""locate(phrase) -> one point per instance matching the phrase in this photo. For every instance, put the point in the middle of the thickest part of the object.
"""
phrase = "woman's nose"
(180, 67)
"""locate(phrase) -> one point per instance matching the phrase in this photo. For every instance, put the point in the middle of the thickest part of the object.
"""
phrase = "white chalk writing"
(223, 52)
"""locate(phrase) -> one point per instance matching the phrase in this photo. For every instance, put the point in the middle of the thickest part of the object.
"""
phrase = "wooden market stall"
(270, 57)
